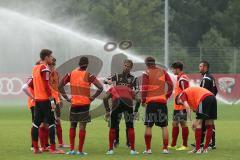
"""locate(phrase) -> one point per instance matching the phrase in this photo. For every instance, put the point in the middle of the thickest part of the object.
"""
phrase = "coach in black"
(208, 82)
(124, 79)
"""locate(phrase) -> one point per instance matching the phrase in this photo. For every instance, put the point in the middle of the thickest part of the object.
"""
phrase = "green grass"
(15, 123)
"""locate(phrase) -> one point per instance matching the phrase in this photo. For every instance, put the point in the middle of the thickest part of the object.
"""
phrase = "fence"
(222, 60)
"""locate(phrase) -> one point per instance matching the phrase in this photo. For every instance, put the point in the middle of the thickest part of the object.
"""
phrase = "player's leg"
(210, 109)
(73, 118)
(42, 136)
(175, 132)
(59, 126)
(82, 135)
(148, 139)
(202, 135)
(204, 129)
(175, 129)
(32, 115)
(72, 135)
(38, 118)
(84, 119)
(50, 120)
(46, 136)
(185, 134)
(162, 121)
(198, 135)
(116, 141)
(128, 116)
(205, 112)
(114, 121)
(127, 140)
(209, 132)
(51, 126)
(185, 130)
(148, 122)
(213, 143)
(214, 116)
(165, 137)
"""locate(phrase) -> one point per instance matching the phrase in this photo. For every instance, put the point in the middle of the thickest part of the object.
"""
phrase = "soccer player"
(208, 82)
(155, 96)
(28, 90)
(43, 97)
(127, 79)
(80, 84)
(204, 103)
(54, 82)
(43, 130)
(179, 113)
(122, 95)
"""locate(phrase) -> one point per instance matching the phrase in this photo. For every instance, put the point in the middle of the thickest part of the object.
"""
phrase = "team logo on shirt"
(226, 84)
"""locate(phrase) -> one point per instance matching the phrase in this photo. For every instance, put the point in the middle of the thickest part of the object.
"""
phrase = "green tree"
(228, 22)
(218, 51)
(192, 19)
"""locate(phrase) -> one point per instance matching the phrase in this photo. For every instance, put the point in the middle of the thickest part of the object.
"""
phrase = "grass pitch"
(15, 123)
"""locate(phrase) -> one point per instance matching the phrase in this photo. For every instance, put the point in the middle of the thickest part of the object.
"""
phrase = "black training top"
(208, 82)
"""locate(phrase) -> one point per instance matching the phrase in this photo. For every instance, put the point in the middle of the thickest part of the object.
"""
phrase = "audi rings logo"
(10, 86)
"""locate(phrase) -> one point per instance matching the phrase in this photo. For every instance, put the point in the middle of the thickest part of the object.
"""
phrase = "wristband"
(52, 102)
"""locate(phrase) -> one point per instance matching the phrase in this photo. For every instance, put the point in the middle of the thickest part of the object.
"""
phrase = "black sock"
(127, 140)
(117, 136)
(34, 133)
(52, 134)
(213, 137)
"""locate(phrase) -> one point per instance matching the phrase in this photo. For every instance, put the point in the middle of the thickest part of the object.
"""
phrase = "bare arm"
(105, 101)
(26, 91)
(189, 111)
(170, 85)
(100, 89)
(62, 90)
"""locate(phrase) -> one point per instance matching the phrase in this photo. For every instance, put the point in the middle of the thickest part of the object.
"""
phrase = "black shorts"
(43, 113)
(119, 108)
(80, 114)
(32, 113)
(180, 115)
(156, 113)
(207, 109)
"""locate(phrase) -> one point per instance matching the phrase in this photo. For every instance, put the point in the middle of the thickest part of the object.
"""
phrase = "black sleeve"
(206, 83)
(215, 90)
(136, 84)
(209, 84)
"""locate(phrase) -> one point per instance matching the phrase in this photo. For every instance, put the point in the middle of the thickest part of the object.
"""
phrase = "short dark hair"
(83, 62)
(45, 53)
(150, 61)
(177, 65)
(129, 61)
(205, 63)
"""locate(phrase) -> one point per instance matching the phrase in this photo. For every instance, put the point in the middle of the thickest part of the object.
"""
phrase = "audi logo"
(10, 86)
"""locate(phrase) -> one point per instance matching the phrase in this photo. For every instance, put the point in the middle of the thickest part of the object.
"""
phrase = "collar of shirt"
(126, 74)
(80, 69)
(205, 73)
